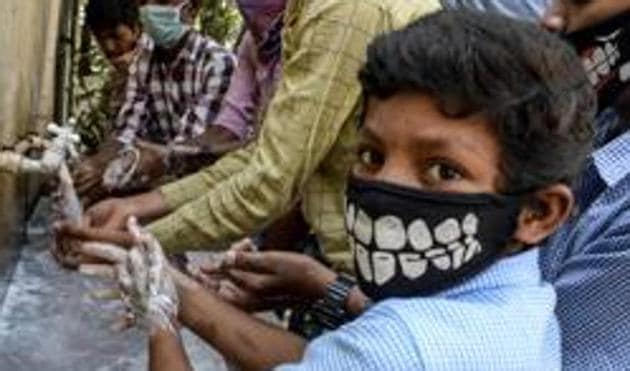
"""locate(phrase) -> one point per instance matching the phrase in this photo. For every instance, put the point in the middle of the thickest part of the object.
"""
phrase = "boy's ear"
(546, 211)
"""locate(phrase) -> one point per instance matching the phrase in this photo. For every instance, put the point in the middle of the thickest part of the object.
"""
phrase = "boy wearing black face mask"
(588, 261)
(467, 149)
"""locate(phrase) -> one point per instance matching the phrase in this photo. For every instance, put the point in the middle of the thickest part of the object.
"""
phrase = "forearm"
(150, 205)
(166, 352)
(193, 187)
(241, 338)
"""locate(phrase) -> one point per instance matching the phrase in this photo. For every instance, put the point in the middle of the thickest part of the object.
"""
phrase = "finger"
(134, 229)
(115, 222)
(124, 322)
(120, 238)
(108, 252)
(138, 270)
(210, 268)
(251, 261)
(258, 283)
(68, 260)
(142, 236)
(229, 292)
(125, 281)
(210, 283)
(98, 270)
(86, 221)
(246, 300)
(245, 245)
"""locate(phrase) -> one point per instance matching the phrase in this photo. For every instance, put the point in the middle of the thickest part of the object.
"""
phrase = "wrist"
(357, 302)
(326, 278)
(331, 310)
(187, 289)
(149, 205)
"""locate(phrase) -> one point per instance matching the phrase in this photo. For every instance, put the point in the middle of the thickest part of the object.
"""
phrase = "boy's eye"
(442, 173)
(370, 158)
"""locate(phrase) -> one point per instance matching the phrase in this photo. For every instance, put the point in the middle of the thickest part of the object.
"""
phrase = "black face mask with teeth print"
(409, 243)
(605, 52)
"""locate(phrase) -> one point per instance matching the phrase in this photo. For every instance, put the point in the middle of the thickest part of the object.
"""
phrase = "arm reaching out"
(160, 297)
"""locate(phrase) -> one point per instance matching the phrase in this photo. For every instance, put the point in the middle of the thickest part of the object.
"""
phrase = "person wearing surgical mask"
(176, 85)
(588, 260)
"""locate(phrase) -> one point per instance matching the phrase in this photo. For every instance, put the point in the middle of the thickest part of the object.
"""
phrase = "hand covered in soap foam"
(144, 276)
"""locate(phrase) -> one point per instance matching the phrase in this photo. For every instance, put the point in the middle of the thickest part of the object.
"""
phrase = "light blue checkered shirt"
(588, 261)
(502, 319)
(523, 9)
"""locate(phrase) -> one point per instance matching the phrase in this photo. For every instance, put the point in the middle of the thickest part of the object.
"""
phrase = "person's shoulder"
(207, 44)
(378, 339)
(482, 330)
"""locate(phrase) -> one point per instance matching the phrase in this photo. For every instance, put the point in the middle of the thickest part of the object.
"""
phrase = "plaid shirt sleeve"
(217, 72)
(133, 112)
(318, 93)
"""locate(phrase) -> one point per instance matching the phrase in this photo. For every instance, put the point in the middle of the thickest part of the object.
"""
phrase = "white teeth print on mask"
(413, 266)
(442, 263)
(420, 236)
(434, 253)
(449, 247)
(474, 248)
(458, 256)
(409, 242)
(457, 249)
(470, 225)
(390, 234)
(362, 257)
(350, 215)
(448, 232)
(384, 267)
(363, 228)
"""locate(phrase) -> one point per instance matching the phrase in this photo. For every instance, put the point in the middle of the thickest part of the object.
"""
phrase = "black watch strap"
(331, 311)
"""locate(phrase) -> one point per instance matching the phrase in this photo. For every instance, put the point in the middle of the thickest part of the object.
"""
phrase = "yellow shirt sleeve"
(190, 188)
(317, 94)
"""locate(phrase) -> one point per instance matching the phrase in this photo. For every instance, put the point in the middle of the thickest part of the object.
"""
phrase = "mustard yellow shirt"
(305, 145)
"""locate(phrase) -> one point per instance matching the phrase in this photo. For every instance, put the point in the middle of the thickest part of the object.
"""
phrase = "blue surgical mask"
(164, 24)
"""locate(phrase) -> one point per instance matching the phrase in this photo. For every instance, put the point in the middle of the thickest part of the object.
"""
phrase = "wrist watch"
(331, 310)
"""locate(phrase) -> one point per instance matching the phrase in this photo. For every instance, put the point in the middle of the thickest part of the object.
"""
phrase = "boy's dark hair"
(529, 83)
(108, 14)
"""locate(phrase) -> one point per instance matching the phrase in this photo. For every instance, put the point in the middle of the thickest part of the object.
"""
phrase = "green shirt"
(305, 146)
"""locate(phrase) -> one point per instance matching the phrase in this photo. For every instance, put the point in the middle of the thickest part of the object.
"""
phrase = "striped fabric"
(501, 319)
(175, 101)
(522, 9)
(588, 261)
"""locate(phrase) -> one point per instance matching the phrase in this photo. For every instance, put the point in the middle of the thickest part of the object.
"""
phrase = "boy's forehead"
(418, 118)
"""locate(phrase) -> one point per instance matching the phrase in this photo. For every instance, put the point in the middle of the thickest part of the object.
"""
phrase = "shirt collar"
(191, 48)
(517, 270)
(613, 159)
(189, 52)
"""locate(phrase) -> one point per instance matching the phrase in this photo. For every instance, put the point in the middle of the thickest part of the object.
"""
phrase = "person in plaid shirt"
(175, 89)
